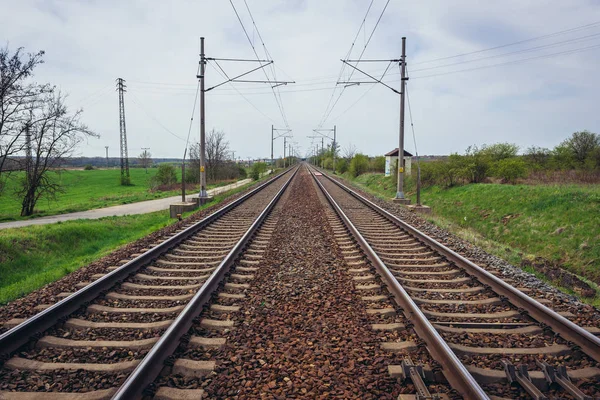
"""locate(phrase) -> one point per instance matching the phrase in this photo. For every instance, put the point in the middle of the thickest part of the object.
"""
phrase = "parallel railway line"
(177, 321)
(113, 335)
(510, 337)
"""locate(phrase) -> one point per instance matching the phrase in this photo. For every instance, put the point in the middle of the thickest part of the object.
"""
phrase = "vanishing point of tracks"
(301, 289)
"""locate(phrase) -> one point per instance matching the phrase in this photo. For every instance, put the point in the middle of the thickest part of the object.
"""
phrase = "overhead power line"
(578, 28)
(277, 99)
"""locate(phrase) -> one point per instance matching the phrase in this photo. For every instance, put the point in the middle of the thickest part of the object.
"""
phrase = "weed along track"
(116, 332)
(300, 289)
(491, 340)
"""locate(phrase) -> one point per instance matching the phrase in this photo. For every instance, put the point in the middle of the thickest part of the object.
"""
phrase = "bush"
(378, 164)
(242, 173)
(166, 175)
(257, 170)
(328, 163)
(510, 169)
(341, 165)
(88, 167)
(359, 165)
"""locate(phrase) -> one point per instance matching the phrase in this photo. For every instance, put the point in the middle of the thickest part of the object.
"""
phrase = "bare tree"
(17, 98)
(145, 159)
(349, 151)
(218, 164)
(52, 135)
(217, 149)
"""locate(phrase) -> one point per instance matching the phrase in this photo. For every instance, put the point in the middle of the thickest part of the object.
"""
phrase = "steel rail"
(453, 369)
(16, 337)
(589, 343)
(152, 364)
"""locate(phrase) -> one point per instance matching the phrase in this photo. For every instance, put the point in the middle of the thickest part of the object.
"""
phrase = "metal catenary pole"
(334, 148)
(272, 139)
(203, 193)
(400, 187)
(284, 144)
(322, 152)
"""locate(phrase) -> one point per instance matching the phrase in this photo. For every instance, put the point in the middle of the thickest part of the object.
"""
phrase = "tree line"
(577, 158)
(37, 131)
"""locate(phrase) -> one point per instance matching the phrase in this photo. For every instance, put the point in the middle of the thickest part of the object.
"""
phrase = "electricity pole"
(273, 138)
(400, 187)
(203, 196)
(125, 179)
(400, 184)
(203, 61)
(107, 166)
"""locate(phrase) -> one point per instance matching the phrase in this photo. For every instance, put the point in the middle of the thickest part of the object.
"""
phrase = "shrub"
(166, 175)
(243, 174)
(88, 167)
(510, 169)
(341, 165)
(359, 165)
(378, 164)
(500, 151)
(257, 170)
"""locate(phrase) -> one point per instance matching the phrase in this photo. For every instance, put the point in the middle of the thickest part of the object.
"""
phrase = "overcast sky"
(538, 94)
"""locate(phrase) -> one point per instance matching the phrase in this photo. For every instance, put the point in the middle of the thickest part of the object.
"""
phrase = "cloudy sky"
(535, 92)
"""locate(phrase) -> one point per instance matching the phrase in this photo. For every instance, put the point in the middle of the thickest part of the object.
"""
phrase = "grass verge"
(34, 256)
(87, 190)
(519, 223)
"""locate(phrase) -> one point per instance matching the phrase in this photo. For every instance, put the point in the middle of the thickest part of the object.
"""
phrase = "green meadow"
(560, 223)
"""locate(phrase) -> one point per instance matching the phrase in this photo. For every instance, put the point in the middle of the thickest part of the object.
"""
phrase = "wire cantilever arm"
(239, 76)
(370, 76)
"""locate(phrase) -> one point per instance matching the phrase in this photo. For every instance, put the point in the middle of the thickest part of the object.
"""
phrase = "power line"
(359, 58)
(244, 97)
(515, 43)
(151, 116)
(343, 65)
(277, 100)
(572, 51)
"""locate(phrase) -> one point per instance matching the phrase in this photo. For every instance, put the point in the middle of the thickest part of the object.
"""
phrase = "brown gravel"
(303, 331)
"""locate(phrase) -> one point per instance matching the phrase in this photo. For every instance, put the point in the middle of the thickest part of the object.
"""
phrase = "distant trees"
(145, 159)
(218, 164)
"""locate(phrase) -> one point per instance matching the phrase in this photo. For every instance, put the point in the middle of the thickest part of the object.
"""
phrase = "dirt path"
(142, 207)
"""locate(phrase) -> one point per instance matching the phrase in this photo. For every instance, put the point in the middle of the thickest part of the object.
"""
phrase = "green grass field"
(33, 256)
(516, 222)
(86, 190)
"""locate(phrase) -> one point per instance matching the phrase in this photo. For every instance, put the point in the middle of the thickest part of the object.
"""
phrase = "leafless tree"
(145, 159)
(52, 133)
(18, 96)
(349, 151)
(217, 149)
(218, 164)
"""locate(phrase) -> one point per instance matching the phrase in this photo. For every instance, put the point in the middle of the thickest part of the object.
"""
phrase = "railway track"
(491, 340)
(113, 336)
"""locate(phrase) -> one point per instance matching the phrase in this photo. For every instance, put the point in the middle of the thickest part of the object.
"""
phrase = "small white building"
(392, 157)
